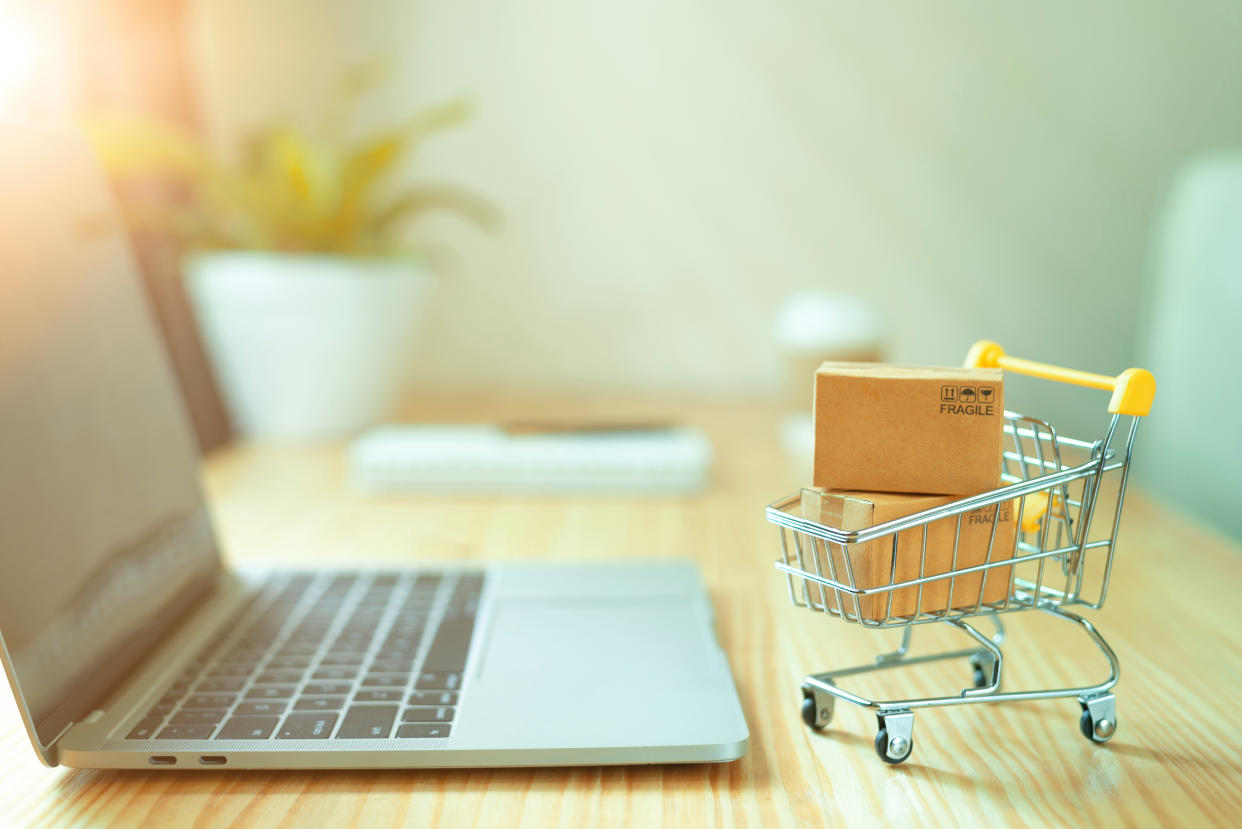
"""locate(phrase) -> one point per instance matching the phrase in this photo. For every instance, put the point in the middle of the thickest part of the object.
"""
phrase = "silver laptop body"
(129, 645)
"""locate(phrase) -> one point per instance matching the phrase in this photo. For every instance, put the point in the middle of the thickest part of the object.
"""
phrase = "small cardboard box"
(871, 563)
(885, 428)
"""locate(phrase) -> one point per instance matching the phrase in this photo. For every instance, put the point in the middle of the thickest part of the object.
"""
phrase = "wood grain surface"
(1173, 616)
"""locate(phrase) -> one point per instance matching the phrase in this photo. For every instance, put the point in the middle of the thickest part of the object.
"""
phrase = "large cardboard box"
(885, 428)
(871, 563)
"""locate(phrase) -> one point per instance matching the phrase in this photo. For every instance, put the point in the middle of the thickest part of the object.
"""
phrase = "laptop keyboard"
(329, 656)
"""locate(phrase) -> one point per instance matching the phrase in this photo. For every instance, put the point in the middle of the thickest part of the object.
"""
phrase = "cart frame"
(1056, 503)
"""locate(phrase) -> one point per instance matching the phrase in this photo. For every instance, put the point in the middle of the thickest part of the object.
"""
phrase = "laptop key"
(186, 732)
(171, 698)
(248, 728)
(210, 701)
(443, 713)
(452, 643)
(343, 659)
(362, 633)
(204, 717)
(319, 704)
(363, 722)
(396, 654)
(433, 698)
(307, 726)
(360, 639)
(424, 730)
(378, 695)
(317, 689)
(145, 729)
(352, 646)
(278, 678)
(385, 680)
(207, 686)
(438, 681)
(271, 692)
(336, 672)
(392, 666)
(287, 662)
(250, 656)
(270, 707)
(406, 640)
(300, 649)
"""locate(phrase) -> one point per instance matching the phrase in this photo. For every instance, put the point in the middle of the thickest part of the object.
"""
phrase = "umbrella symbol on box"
(967, 395)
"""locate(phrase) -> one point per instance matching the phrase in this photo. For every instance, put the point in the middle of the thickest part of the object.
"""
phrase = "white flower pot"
(307, 347)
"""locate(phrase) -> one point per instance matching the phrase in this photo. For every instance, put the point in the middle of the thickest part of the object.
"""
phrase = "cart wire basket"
(1057, 555)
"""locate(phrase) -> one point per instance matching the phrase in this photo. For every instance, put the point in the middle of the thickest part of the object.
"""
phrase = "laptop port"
(212, 760)
(162, 760)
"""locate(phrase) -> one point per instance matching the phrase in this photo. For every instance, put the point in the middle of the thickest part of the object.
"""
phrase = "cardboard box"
(885, 428)
(871, 562)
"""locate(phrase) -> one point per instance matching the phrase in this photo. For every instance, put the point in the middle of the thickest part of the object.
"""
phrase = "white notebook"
(488, 459)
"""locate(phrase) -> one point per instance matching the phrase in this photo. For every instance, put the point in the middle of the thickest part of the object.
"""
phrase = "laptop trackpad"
(598, 671)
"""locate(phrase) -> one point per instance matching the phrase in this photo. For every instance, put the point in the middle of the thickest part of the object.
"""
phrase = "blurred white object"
(811, 328)
(809, 322)
(798, 436)
(307, 347)
(489, 459)
(1193, 451)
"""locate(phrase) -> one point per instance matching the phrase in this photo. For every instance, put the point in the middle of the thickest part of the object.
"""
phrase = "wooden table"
(1174, 616)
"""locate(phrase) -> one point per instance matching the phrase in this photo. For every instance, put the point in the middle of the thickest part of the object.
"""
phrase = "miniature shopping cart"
(1060, 556)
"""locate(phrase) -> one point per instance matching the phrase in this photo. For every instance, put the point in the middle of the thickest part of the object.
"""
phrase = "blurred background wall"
(669, 171)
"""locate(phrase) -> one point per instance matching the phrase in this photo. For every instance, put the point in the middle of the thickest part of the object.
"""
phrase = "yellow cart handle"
(1132, 390)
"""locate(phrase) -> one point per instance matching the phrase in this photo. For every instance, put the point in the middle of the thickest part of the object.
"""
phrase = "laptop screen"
(104, 539)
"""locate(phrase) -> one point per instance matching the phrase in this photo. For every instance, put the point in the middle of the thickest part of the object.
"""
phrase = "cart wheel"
(900, 746)
(815, 717)
(1096, 731)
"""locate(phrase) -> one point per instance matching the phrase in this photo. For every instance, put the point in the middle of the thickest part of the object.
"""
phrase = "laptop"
(129, 644)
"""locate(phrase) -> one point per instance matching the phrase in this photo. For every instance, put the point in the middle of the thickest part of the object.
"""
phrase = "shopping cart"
(1055, 561)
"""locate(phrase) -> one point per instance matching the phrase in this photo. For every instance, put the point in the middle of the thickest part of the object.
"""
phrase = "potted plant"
(306, 287)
